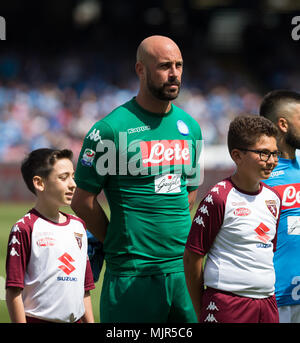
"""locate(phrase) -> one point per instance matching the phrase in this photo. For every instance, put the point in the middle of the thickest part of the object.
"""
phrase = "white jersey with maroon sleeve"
(237, 231)
(49, 262)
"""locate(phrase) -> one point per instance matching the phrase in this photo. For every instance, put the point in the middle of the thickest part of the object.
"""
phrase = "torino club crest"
(271, 204)
(78, 237)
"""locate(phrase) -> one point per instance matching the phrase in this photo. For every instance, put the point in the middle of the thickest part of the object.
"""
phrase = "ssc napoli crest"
(182, 128)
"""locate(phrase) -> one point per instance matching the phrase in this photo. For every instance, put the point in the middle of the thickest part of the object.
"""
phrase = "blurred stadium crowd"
(54, 102)
(57, 80)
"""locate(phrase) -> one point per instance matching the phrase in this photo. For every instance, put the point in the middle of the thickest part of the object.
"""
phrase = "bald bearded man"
(144, 155)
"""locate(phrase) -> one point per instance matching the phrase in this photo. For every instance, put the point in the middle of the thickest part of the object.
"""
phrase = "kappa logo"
(203, 209)
(210, 318)
(13, 252)
(209, 199)
(139, 129)
(14, 240)
(15, 228)
(66, 267)
(212, 306)
(95, 136)
(199, 221)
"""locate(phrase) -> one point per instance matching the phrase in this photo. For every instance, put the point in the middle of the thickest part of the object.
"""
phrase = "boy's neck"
(49, 212)
(245, 185)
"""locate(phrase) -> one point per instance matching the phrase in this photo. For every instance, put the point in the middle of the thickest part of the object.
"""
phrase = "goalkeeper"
(144, 156)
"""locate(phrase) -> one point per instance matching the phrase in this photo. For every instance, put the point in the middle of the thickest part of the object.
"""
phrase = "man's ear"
(236, 155)
(139, 69)
(282, 124)
(38, 183)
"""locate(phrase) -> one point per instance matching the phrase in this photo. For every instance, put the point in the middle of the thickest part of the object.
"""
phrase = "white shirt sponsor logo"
(167, 183)
(293, 225)
(242, 212)
(165, 153)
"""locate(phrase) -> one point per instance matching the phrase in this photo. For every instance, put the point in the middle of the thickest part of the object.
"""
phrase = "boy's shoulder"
(272, 190)
(77, 219)
(26, 223)
(219, 191)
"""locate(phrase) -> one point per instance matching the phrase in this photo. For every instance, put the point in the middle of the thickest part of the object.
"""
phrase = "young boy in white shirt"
(235, 226)
(48, 273)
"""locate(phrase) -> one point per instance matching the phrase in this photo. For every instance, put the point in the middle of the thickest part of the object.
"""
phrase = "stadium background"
(65, 64)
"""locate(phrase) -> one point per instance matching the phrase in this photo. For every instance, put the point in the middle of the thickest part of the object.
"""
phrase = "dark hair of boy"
(40, 162)
(245, 130)
(276, 104)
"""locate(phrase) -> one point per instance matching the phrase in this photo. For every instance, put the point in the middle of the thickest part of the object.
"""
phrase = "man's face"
(292, 137)
(163, 76)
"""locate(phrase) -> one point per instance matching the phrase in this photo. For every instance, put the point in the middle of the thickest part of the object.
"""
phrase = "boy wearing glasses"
(282, 107)
(235, 227)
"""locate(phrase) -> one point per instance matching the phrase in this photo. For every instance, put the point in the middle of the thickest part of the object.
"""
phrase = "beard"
(292, 139)
(163, 92)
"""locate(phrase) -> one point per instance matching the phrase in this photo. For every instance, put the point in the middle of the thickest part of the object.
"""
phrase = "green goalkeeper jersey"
(146, 163)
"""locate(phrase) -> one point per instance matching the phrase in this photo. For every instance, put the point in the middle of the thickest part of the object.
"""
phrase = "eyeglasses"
(264, 155)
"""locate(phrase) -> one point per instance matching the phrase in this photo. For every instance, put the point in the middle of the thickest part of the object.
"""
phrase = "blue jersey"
(285, 178)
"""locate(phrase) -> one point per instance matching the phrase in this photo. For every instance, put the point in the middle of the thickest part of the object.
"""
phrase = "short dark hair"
(40, 162)
(245, 130)
(275, 102)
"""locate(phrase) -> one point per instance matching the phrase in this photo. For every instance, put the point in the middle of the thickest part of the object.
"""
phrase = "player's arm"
(88, 316)
(192, 198)
(193, 269)
(15, 305)
(86, 206)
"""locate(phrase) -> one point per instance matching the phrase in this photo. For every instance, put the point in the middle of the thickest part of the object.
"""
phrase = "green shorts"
(162, 298)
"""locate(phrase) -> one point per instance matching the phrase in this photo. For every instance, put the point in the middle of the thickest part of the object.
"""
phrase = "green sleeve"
(87, 174)
(195, 178)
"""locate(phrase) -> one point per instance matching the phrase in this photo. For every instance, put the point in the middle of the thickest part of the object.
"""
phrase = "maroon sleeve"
(273, 189)
(208, 219)
(89, 279)
(274, 241)
(18, 254)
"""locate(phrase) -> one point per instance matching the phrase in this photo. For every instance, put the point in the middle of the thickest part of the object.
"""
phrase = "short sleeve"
(91, 167)
(18, 255)
(89, 280)
(206, 223)
(195, 178)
